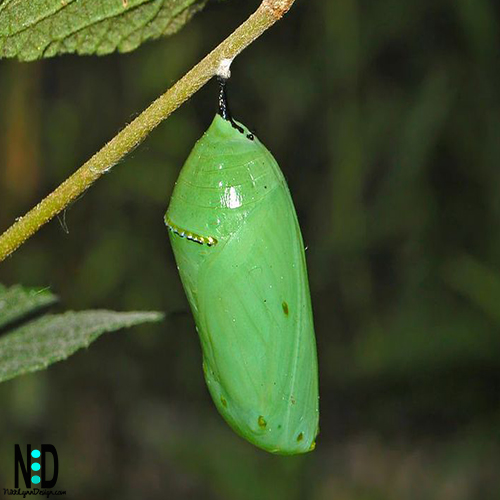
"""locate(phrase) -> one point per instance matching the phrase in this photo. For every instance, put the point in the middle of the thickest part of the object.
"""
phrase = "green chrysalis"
(240, 255)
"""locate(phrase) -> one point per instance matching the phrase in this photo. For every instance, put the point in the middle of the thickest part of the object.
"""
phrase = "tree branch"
(125, 141)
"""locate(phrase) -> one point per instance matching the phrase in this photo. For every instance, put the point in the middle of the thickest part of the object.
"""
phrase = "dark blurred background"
(385, 118)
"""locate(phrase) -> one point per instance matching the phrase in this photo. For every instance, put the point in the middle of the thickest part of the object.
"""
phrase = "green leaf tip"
(51, 338)
(18, 302)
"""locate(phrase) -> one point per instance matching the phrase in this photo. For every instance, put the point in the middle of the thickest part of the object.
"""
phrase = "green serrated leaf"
(17, 302)
(34, 29)
(52, 338)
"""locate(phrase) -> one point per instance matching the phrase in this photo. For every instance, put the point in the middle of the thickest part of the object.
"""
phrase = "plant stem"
(125, 141)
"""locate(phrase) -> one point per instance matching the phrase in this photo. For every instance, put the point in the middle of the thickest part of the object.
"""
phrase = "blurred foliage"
(385, 118)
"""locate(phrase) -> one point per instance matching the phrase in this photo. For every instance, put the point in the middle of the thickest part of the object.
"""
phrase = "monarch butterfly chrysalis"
(240, 255)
